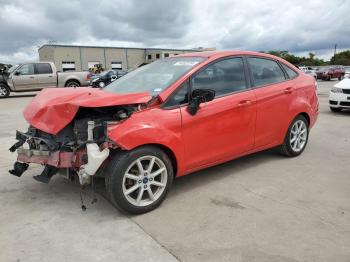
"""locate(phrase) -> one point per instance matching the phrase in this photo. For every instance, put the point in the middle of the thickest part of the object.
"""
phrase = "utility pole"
(335, 52)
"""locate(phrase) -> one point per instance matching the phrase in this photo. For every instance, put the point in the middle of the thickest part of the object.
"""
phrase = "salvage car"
(105, 78)
(39, 75)
(339, 96)
(168, 119)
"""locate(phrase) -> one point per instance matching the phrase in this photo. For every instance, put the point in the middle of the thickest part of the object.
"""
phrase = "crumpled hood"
(54, 108)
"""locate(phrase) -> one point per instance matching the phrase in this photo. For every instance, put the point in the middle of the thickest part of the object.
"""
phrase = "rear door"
(45, 75)
(223, 127)
(274, 97)
(24, 78)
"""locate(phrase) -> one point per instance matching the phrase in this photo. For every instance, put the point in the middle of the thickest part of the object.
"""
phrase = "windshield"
(12, 68)
(154, 77)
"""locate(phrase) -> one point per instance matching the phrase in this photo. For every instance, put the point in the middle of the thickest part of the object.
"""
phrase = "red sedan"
(168, 119)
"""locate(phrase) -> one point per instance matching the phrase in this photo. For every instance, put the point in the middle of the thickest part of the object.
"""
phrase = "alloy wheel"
(144, 180)
(298, 136)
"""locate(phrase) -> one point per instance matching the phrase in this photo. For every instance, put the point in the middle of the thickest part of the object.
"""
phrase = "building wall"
(47, 54)
(115, 55)
(135, 57)
(67, 54)
(92, 55)
(162, 53)
(82, 56)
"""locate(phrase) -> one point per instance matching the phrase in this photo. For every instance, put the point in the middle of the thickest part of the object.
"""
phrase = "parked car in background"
(305, 68)
(312, 73)
(327, 73)
(107, 77)
(339, 96)
(36, 76)
(168, 119)
(347, 73)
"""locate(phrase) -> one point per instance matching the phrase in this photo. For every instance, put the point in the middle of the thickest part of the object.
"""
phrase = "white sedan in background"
(339, 96)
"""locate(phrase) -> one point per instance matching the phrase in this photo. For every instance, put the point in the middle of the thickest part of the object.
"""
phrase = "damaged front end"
(79, 149)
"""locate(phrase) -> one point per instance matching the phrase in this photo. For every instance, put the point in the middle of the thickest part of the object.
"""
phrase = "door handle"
(49, 76)
(244, 103)
(288, 90)
(31, 77)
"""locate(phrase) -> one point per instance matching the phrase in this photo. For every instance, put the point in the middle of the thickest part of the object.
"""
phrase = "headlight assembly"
(336, 90)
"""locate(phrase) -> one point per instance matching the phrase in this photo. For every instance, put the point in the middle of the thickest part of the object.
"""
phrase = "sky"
(299, 26)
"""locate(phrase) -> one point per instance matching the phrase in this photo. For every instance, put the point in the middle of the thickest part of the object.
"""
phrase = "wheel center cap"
(145, 180)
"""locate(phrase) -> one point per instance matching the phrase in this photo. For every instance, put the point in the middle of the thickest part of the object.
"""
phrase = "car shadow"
(19, 96)
(344, 112)
(221, 171)
(208, 175)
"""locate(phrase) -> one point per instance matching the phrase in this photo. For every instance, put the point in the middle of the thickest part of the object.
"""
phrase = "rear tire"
(4, 90)
(335, 109)
(296, 138)
(72, 83)
(132, 181)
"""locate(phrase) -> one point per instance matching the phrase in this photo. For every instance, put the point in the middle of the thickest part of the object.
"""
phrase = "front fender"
(152, 126)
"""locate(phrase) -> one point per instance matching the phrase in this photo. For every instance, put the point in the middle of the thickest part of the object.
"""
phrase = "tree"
(297, 60)
(342, 58)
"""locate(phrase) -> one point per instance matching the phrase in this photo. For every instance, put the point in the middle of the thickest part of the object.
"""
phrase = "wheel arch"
(306, 115)
(72, 80)
(168, 151)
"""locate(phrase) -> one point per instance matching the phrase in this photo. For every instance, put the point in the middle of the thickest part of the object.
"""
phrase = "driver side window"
(225, 77)
(27, 69)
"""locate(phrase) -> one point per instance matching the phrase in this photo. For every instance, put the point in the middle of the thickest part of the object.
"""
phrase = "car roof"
(224, 53)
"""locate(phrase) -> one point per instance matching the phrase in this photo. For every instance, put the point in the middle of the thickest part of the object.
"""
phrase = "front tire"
(296, 138)
(4, 90)
(138, 181)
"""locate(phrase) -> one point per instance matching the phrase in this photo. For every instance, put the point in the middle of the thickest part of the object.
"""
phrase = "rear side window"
(265, 71)
(43, 69)
(226, 76)
(290, 72)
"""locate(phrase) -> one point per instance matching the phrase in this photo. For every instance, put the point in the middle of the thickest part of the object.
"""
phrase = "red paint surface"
(54, 108)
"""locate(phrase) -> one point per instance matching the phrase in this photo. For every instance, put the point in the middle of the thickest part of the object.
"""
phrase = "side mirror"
(199, 96)
(17, 73)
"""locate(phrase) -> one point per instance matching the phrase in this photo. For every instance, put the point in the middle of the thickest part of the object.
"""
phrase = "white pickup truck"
(35, 76)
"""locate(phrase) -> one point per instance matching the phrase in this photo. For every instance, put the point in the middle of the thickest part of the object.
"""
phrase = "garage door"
(68, 66)
(116, 65)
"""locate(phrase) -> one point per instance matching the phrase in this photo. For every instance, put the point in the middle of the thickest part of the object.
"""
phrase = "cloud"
(297, 26)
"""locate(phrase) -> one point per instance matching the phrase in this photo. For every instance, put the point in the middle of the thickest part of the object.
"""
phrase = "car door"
(24, 78)
(224, 127)
(273, 98)
(45, 76)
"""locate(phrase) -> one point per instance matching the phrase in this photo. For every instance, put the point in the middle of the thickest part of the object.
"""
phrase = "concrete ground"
(262, 207)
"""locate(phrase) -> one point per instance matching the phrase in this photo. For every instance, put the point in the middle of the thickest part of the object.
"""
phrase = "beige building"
(81, 58)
